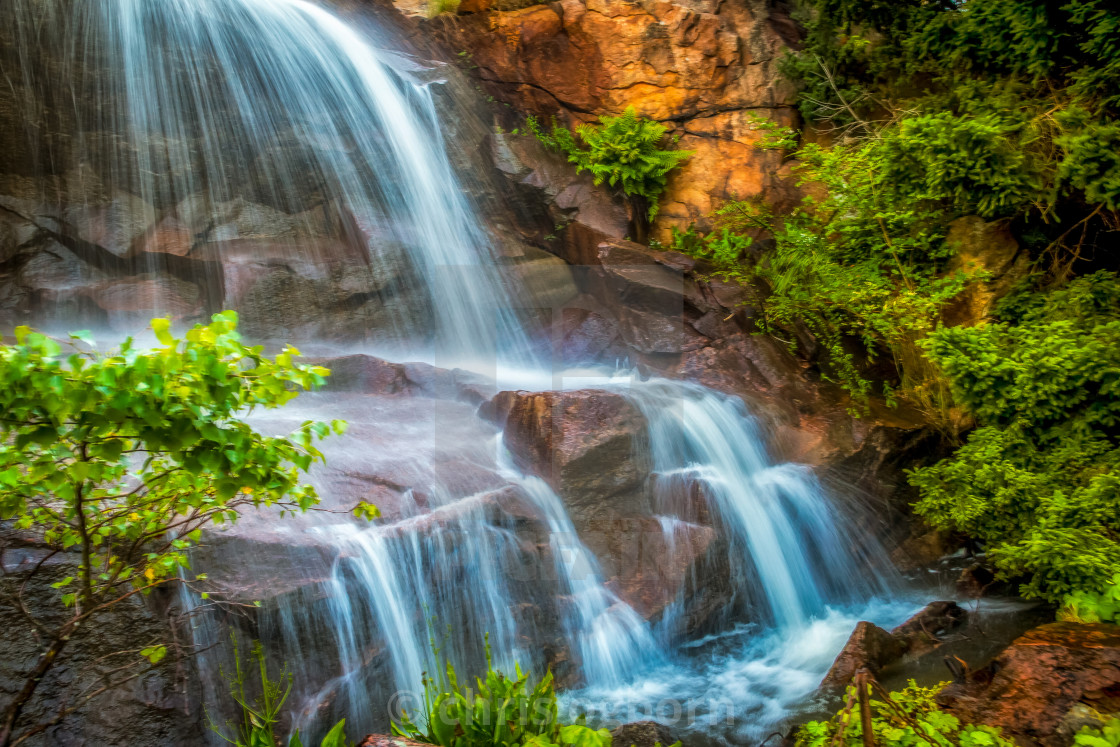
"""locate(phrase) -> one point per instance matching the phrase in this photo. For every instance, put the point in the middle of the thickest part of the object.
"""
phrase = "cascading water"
(791, 553)
(801, 575)
(266, 139)
(257, 133)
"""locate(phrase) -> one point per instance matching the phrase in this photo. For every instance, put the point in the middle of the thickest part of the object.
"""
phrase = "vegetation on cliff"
(627, 152)
(920, 115)
(119, 460)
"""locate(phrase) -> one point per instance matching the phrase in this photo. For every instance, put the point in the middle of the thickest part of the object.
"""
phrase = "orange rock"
(704, 68)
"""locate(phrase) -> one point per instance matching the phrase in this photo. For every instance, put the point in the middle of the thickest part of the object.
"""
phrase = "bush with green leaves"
(1039, 480)
(626, 152)
(1094, 607)
(905, 718)
(861, 269)
(1107, 736)
(499, 711)
(121, 458)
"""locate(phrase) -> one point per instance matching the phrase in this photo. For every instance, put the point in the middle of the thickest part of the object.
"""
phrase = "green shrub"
(904, 718)
(624, 151)
(123, 457)
(1039, 481)
(861, 269)
(1106, 736)
(438, 7)
(1094, 607)
(499, 711)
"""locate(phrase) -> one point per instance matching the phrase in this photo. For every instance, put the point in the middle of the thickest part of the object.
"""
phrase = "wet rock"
(874, 648)
(375, 376)
(140, 297)
(586, 444)
(1039, 679)
(169, 236)
(325, 289)
(571, 196)
(151, 709)
(975, 581)
(921, 551)
(923, 631)
(643, 734)
(869, 646)
(386, 740)
(538, 280)
(588, 335)
(589, 446)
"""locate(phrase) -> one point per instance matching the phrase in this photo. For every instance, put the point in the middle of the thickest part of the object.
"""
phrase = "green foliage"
(262, 705)
(336, 737)
(862, 268)
(1106, 736)
(922, 112)
(624, 151)
(126, 455)
(438, 7)
(123, 457)
(499, 712)
(1013, 102)
(1094, 607)
(1039, 479)
(904, 718)
(261, 712)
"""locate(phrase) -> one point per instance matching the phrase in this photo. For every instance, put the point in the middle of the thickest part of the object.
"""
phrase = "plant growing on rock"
(119, 459)
(499, 712)
(260, 712)
(626, 152)
(439, 7)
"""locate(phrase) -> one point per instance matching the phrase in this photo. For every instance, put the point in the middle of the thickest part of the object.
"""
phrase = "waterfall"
(791, 552)
(614, 643)
(278, 163)
(255, 133)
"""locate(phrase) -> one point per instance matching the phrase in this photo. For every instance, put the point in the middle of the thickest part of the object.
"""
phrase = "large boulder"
(872, 648)
(1030, 688)
(643, 734)
(590, 446)
(869, 647)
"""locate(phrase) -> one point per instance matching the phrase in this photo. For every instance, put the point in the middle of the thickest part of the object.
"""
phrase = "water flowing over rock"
(601, 521)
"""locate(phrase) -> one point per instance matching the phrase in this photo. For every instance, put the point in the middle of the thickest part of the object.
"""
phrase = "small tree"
(123, 457)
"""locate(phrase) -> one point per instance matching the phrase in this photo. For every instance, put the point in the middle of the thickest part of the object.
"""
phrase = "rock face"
(869, 646)
(590, 447)
(708, 69)
(873, 648)
(155, 708)
(643, 734)
(1031, 687)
